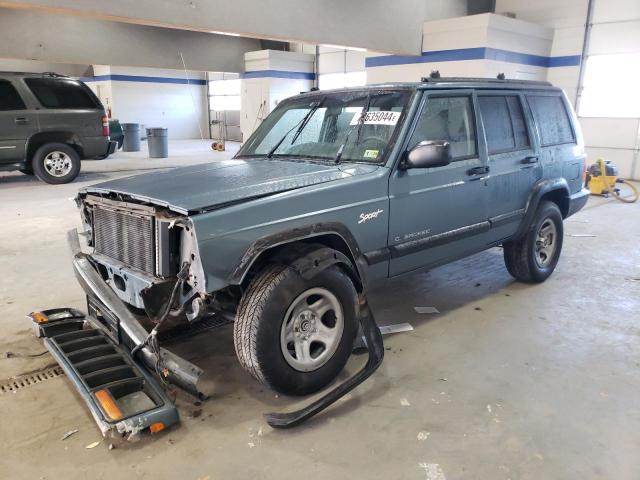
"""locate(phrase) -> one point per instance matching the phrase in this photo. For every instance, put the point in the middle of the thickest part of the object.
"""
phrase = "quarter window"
(448, 119)
(504, 124)
(551, 116)
(62, 93)
(9, 97)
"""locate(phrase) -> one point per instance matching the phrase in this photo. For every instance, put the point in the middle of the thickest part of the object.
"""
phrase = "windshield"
(322, 126)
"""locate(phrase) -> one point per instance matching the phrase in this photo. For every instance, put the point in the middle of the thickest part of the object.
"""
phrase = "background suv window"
(61, 93)
(449, 119)
(9, 97)
(504, 125)
(551, 116)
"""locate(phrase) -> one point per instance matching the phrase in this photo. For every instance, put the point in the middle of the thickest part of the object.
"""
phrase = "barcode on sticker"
(383, 117)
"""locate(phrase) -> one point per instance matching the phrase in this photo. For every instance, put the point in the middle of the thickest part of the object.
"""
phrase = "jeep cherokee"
(368, 183)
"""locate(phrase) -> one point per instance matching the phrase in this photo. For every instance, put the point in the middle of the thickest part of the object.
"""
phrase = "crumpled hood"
(207, 186)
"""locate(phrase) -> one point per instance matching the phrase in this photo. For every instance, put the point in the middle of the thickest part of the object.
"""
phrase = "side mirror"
(427, 154)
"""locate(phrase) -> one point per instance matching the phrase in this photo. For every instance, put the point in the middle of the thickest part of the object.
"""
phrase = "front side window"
(448, 119)
(62, 93)
(9, 97)
(551, 116)
(504, 124)
(331, 126)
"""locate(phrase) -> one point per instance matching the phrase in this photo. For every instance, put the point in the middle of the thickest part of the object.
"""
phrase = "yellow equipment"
(602, 179)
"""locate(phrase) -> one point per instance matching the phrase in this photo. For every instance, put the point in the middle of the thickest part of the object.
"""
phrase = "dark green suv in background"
(48, 123)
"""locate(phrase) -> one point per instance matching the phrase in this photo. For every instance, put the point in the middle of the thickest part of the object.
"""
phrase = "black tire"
(259, 320)
(27, 170)
(38, 163)
(520, 256)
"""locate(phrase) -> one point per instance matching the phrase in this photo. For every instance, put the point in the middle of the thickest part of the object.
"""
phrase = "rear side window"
(9, 97)
(449, 119)
(504, 124)
(553, 121)
(61, 93)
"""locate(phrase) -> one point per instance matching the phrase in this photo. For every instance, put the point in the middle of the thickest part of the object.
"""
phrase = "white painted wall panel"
(610, 38)
(610, 132)
(179, 107)
(616, 10)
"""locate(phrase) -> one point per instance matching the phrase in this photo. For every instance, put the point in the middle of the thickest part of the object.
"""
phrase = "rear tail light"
(105, 126)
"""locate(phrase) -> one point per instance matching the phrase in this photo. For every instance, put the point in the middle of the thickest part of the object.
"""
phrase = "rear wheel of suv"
(56, 163)
(534, 256)
(295, 335)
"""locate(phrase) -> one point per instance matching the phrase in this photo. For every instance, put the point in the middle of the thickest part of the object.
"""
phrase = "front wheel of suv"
(56, 163)
(294, 334)
(533, 257)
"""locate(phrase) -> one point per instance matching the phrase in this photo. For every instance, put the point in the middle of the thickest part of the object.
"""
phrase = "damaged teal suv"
(355, 186)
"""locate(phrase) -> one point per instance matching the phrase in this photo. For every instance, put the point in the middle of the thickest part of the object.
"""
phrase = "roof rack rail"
(53, 74)
(437, 79)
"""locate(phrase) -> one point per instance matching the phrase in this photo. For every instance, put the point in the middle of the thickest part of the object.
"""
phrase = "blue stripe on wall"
(478, 53)
(143, 79)
(278, 74)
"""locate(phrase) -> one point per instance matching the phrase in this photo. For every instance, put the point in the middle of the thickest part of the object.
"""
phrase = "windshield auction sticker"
(383, 117)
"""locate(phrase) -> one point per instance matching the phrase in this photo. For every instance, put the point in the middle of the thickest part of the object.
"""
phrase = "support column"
(271, 76)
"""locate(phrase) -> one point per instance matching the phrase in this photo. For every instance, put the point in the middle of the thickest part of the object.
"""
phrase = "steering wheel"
(373, 138)
(371, 142)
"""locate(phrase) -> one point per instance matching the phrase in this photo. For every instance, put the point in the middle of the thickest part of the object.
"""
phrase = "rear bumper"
(98, 147)
(577, 201)
(112, 147)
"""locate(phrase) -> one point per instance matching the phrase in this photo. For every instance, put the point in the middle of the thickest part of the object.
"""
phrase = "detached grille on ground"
(126, 237)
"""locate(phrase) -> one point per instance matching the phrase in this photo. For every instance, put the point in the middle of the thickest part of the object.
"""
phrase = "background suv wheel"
(56, 163)
(534, 256)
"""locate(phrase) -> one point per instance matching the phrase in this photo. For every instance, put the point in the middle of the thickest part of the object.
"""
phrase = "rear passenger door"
(17, 124)
(512, 157)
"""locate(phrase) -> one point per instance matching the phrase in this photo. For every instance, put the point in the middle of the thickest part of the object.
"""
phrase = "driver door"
(440, 214)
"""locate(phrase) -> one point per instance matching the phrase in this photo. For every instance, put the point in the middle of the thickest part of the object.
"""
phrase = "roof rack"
(435, 77)
(53, 74)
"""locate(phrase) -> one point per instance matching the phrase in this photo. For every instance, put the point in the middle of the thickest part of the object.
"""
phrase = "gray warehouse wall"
(393, 26)
(58, 38)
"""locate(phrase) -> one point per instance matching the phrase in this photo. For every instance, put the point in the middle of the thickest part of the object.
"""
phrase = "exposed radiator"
(126, 237)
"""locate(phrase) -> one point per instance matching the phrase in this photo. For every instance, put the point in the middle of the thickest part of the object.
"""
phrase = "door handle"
(478, 170)
(529, 160)
(21, 121)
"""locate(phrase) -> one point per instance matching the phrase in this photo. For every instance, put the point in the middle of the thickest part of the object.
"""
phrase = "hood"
(207, 186)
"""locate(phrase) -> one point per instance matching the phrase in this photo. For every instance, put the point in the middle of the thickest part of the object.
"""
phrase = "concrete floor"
(509, 381)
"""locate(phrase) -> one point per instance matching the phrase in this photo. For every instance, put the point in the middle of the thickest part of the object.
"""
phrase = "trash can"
(158, 142)
(131, 133)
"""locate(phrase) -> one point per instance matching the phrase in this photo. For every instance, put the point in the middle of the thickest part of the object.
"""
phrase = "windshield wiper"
(300, 125)
(363, 115)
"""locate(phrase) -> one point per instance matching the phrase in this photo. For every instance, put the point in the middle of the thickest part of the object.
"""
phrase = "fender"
(268, 242)
(47, 136)
(540, 189)
(320, 258)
